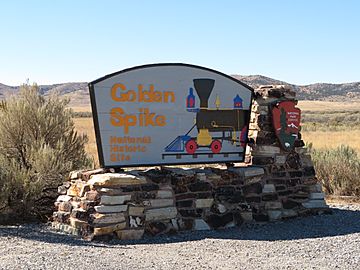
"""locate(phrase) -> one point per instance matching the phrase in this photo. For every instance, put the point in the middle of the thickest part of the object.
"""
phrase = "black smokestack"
(204, 88)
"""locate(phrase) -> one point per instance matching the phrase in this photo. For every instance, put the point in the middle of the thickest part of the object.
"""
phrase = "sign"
(170, 114)
(286, 122)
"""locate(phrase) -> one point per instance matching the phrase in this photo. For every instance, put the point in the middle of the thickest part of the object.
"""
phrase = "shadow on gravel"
(341, 222)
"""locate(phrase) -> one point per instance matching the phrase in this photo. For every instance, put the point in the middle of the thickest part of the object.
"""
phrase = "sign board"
(286, 122)
(170, 114)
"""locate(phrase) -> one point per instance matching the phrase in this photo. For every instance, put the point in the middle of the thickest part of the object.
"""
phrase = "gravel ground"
(315, 242)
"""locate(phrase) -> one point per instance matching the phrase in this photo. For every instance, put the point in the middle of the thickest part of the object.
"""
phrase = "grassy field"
(326, 106)
(85, 125)
(332, 139)
(330, 124)
(325, 125)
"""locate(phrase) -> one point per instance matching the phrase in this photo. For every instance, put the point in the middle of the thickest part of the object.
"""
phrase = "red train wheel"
(215, 146)
(191, 146)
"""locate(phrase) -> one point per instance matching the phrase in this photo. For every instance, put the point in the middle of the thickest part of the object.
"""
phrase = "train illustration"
(212, 126)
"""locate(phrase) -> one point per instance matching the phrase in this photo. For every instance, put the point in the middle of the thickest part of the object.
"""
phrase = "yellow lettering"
(160, 120)
(118, 118)
(115, 117)
(168, 94)
(115, 90)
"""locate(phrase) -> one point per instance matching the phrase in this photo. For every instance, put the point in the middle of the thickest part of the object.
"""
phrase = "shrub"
(38, 147)
(339, 170)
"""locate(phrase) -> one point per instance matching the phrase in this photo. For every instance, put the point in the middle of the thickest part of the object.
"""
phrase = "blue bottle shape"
(238, 102)
(190, 100)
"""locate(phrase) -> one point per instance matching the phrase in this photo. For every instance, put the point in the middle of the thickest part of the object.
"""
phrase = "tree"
(38, 147)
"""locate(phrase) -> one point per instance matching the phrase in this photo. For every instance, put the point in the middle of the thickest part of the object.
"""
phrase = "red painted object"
(286, 122)
(215, 146)
(191, 146)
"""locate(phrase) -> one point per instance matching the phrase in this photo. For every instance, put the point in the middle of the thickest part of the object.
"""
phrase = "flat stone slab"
(315, 204)
(114, 199)
(136, 210)
(111, 209)
(160, 213)
(248, 172)
(317, 196)
(116, 179)
(204, 203)
(63, 198)
(161, 202)
(109, 229)
(269, 188)
(108, 218)
(164, 194)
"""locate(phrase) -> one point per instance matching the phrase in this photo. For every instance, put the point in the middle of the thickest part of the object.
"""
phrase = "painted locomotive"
(213, 125)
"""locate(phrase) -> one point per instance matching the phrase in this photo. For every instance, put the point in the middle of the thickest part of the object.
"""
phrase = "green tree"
(38, 147)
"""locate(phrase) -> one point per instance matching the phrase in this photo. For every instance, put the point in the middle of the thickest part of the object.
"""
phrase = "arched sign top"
(169, 64)
(164, 114)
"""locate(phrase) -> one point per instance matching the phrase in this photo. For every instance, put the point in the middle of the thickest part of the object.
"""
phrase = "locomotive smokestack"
(204, 88)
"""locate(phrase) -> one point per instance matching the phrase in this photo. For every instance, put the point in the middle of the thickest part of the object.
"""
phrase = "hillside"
(316, 91)
(78, 91)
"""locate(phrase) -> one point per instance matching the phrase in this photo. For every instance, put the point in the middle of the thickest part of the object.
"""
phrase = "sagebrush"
(38, 147)
(338, 169)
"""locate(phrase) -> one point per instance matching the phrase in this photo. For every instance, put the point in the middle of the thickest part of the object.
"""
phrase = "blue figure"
(190, 100)
(238, 102)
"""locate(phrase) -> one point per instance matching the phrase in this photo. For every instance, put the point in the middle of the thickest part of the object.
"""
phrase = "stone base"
(192, 199)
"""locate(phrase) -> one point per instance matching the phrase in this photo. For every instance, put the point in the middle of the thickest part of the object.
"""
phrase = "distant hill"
(316, 91)
(79, 94)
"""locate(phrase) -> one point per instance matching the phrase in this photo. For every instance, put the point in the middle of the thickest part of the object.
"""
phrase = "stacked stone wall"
(273, 185)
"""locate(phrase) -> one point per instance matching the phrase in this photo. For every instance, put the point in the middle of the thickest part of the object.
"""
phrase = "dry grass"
(315, 105)
(333, 199)
(324, 139)
(85, 125)
(343, 134)
(79, 108)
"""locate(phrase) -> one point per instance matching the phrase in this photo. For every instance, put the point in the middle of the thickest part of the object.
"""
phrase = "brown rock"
(130, 234)
(109, 229)
(92, 195)
(77, 223)
(65, 206)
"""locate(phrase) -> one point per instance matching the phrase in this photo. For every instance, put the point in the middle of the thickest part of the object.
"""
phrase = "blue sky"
(296, 41)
